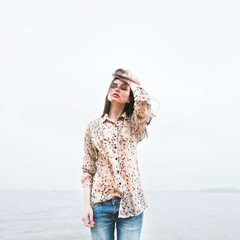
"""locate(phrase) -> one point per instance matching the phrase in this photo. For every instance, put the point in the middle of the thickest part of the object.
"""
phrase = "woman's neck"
(115, 111)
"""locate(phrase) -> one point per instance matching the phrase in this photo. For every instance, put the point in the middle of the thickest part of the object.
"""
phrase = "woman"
(110, 173)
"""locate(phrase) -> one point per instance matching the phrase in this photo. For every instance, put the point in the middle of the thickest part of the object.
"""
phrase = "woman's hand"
(128, 79)
(132, 82)
(88, 213)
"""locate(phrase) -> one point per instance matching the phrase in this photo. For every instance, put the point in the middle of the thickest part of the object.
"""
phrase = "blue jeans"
(105, 215)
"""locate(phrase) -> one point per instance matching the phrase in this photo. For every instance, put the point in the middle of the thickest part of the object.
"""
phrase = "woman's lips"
(115, 95)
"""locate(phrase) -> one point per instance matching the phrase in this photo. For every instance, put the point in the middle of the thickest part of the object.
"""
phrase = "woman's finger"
(91, 219)
(85, 221)
(123, 77)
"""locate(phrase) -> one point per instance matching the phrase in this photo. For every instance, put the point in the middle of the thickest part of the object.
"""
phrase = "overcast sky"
(56, 63)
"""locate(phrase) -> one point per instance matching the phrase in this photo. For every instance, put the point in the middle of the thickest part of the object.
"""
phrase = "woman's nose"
(116, 88)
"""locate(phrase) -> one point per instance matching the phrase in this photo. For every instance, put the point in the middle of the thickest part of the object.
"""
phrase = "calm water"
(56, 215)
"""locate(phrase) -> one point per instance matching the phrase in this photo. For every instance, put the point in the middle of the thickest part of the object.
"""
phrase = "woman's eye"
(122, 87)
(114, 85)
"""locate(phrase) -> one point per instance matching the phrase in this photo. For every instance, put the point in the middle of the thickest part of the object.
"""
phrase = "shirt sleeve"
(90, 155)
(142, 113)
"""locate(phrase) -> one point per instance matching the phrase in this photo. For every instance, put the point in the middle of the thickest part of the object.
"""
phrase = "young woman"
(110, 172)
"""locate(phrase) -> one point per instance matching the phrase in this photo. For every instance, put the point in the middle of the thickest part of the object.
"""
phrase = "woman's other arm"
(87, 211)
(142, 113)
(88, 171)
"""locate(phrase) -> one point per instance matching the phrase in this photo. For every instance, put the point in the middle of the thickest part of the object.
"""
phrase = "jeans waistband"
(114, 200)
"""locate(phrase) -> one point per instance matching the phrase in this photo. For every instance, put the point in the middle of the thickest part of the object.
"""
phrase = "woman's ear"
(128, 101)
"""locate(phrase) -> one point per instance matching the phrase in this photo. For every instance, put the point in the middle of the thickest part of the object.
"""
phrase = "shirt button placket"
(117, 170)
(115, 146)
(115, 141)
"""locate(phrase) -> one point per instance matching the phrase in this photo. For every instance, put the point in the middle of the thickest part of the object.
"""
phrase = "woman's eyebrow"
(126, 84)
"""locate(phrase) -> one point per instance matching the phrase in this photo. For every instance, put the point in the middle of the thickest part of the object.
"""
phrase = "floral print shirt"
(110, 164)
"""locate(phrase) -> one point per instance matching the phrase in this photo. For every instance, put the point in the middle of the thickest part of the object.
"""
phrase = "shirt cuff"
(86, 184)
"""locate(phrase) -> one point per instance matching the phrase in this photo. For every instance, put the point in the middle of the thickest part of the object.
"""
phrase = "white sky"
(56, 62)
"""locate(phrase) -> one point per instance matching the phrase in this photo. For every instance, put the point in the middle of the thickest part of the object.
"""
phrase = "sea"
(57, 215)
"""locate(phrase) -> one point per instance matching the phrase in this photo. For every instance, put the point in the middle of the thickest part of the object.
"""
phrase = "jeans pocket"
(96, 205)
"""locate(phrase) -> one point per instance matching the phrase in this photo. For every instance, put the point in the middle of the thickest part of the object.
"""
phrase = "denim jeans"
(105, 216)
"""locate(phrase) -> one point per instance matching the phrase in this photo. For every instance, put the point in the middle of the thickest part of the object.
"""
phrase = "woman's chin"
(115, 100)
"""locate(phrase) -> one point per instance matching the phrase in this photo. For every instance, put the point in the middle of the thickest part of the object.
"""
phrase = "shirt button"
(116, 158)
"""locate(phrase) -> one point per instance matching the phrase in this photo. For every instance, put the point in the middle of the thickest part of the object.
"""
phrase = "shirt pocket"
(104, 137)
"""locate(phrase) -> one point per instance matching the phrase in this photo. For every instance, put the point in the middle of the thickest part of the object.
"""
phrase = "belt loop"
(115, 199)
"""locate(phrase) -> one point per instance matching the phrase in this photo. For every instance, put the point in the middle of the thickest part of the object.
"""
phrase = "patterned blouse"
(110, 164)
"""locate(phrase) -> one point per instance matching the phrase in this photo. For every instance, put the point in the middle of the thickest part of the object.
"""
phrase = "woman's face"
(119, 92)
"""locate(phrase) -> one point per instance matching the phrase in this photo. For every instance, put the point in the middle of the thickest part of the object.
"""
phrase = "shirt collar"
(106, 117)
